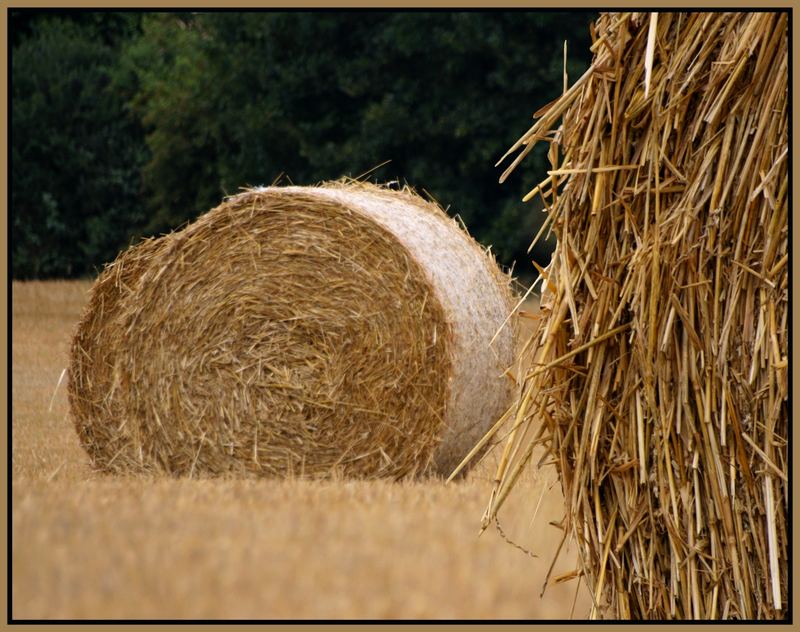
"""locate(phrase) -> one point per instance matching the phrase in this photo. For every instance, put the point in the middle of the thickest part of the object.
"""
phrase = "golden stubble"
(88, 545)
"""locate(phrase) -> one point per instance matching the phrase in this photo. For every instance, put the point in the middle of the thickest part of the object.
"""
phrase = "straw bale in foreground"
(658, 380)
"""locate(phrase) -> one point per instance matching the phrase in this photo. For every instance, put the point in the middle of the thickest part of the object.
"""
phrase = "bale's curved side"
(476, 298)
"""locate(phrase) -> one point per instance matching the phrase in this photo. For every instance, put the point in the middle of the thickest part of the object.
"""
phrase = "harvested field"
(87, 545)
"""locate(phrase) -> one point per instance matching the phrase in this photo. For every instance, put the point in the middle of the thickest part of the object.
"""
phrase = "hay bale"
(658, 381)
(309, 330)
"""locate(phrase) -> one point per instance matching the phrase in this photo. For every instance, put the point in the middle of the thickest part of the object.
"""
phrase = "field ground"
(93, 546)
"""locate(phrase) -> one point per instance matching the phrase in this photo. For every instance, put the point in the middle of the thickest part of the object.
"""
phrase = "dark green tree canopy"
(127, 124)
(76, 153)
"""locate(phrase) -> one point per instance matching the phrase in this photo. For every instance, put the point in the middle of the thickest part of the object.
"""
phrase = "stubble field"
(87, 545)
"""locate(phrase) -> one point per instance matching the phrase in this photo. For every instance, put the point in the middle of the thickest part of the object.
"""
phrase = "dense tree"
(235, 99)
(75, 153)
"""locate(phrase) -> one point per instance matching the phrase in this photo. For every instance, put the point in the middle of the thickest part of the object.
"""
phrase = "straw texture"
(333, 330)
(658, 371)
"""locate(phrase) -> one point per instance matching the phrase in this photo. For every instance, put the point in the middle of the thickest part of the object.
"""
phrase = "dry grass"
(89, 545)
(295, 330)
(659, 375)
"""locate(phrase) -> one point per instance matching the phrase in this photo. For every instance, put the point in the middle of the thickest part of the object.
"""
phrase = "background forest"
(128, 124)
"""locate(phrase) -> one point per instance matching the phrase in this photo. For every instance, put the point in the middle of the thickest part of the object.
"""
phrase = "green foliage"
(235, 99)
(75, 155)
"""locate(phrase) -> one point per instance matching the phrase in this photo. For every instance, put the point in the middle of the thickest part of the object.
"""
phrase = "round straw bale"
(343, 328)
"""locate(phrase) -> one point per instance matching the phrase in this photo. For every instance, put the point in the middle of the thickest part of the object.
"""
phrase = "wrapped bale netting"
(341, 329)
(658, 377)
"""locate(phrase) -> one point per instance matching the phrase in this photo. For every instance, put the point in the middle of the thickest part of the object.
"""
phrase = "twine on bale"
(340, 329)
(658, 371)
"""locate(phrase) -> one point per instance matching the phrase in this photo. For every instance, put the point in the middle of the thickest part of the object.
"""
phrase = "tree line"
(128, 124)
